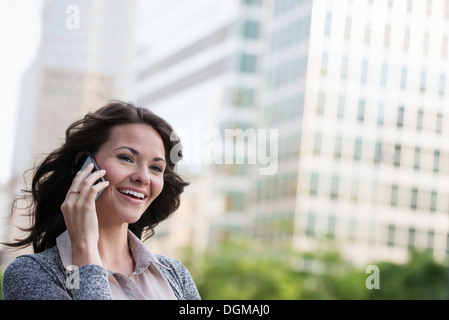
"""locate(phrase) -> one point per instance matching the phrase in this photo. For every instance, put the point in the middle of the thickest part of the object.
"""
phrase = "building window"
(436, 161)
(324, 63)
(328, 24)
(291, 33)
(403, 78)
(364, 72)
(433, 201)
(391, 234)
(337, 147)
(439, 124)
(341, 107)
(334, 187)
(251, 29)
(378, 152)
(430, 240)
(397, 155)
(310, 227)
(351, 230)
(257, 3)
(414, 203)
(314, 184)
(383, 75)
(357, 149)
(361, 110)
(447, 244)
(416, 160)
(380, 113)
(317, 144)
(355, 189)
(242, 97)
(283, 6)
(422, 86)
(248, 63)
(331, 226)
(344, 67)
(320, 105)
(400, 120)
(411, 237)
(235, 201)
(394, 195)
(419, 121)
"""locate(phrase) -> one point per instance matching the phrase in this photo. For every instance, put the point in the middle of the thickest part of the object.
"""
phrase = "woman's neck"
(114, 249)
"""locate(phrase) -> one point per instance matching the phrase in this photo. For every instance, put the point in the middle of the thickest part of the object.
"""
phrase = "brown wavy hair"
(53, 176)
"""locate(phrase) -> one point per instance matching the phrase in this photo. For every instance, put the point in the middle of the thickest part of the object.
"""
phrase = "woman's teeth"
(133, 193)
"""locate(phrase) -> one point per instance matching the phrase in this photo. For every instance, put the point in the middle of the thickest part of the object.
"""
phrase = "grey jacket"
(42, 276)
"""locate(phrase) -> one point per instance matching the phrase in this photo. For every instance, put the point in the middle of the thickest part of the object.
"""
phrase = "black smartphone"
(82, 163)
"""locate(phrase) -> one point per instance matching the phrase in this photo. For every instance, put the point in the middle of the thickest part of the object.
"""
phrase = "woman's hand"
(80, 216)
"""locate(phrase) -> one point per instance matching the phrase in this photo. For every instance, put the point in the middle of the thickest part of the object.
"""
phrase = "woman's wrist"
(84, 254)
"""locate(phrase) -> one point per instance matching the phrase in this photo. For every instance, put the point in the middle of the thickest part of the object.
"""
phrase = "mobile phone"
(82, 163)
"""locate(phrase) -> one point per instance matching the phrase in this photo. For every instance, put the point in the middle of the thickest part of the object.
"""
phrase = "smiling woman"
(92, 249)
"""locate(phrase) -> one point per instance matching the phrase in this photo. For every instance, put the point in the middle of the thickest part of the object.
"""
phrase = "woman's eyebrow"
(135, 152)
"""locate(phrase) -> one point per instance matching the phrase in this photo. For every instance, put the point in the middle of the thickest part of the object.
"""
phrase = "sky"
(19, 38)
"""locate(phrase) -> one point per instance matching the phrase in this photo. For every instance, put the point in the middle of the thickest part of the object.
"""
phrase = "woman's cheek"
(159, 186)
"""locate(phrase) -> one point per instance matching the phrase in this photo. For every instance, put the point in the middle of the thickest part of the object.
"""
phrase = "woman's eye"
(124, 157)
(156, 168)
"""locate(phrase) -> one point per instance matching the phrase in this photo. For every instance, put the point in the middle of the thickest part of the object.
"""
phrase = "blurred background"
(315, 132)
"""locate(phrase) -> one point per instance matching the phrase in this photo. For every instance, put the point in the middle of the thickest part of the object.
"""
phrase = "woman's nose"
(141, 175)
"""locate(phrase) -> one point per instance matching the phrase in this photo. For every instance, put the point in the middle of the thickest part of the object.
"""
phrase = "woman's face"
(134, 160)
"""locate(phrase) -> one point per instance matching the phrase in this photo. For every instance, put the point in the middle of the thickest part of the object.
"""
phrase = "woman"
(88, 248)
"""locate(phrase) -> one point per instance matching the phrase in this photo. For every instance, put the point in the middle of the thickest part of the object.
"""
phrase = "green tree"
(422, 278)
(239, 270)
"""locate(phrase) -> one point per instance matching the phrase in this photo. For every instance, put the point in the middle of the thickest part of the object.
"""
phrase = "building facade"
(197, 66)
(356, 91)
(373, 174)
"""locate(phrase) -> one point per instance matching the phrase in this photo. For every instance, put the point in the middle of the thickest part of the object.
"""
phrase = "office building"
(197, 67)
(372, 175)
(356, 91)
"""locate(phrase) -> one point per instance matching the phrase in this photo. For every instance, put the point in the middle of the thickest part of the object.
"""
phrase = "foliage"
(240, 270)
(420, 279)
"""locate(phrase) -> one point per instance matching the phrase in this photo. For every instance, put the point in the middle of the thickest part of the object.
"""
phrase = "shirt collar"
(141, 254)
(143, 257)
